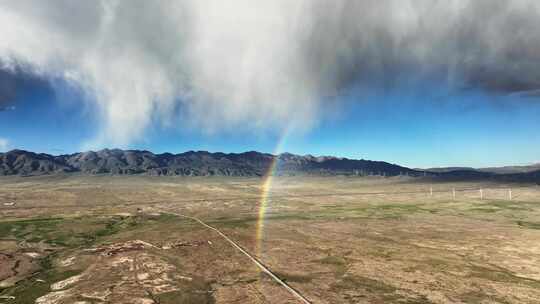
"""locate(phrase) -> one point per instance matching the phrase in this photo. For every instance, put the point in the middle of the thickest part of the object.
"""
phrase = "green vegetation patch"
(26, 229)
(27, 291)
(333, 260)
(66, 232)
(194, 292)
(247, 222)
(116, 225)
(227, 222)
(485, 210)
(339, 263)
(403, 209)
(390, 211)
(494, 206)
(367, 284)
(529, 225)
(163, 218)
(511, 205)
(184, 297)
(297, 278)
(381, 291)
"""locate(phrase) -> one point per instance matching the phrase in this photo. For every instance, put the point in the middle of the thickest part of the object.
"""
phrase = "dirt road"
(265, 269)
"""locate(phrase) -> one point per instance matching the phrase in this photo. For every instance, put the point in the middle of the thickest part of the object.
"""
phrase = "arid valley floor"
(106, 239)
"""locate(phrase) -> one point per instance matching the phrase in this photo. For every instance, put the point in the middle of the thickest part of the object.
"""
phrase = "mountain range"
(192, 163)
(203, 163)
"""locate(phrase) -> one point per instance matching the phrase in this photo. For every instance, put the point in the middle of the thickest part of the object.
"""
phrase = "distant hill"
(530, 173)
(494, 170)
(199, 163)
(448, 169)
(512, 169)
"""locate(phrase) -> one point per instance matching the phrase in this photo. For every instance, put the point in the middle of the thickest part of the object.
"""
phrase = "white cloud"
(4, 144)
(255, 65)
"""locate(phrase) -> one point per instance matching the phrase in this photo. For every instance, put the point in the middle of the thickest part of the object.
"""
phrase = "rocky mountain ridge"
(203, 163)
(191, 163)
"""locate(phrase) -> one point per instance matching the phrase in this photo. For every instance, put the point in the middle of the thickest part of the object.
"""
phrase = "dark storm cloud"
(499, 46)
(487, 44)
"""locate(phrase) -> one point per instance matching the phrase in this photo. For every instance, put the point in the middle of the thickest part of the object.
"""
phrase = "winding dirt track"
(265, 269)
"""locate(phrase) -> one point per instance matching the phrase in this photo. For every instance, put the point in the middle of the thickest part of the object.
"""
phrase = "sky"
(418, 83)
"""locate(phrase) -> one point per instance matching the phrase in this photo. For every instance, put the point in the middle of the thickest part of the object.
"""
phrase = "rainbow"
(266, 194)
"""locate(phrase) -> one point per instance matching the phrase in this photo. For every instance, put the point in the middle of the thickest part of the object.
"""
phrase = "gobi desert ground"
(105, 239)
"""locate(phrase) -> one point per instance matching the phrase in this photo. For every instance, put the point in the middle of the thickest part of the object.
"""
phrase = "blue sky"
(416, 129)
(421, 83)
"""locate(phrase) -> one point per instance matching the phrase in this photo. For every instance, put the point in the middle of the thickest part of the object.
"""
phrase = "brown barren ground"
(103, 239)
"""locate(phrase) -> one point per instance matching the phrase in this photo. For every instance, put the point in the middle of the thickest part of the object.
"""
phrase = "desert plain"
(123, 239)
